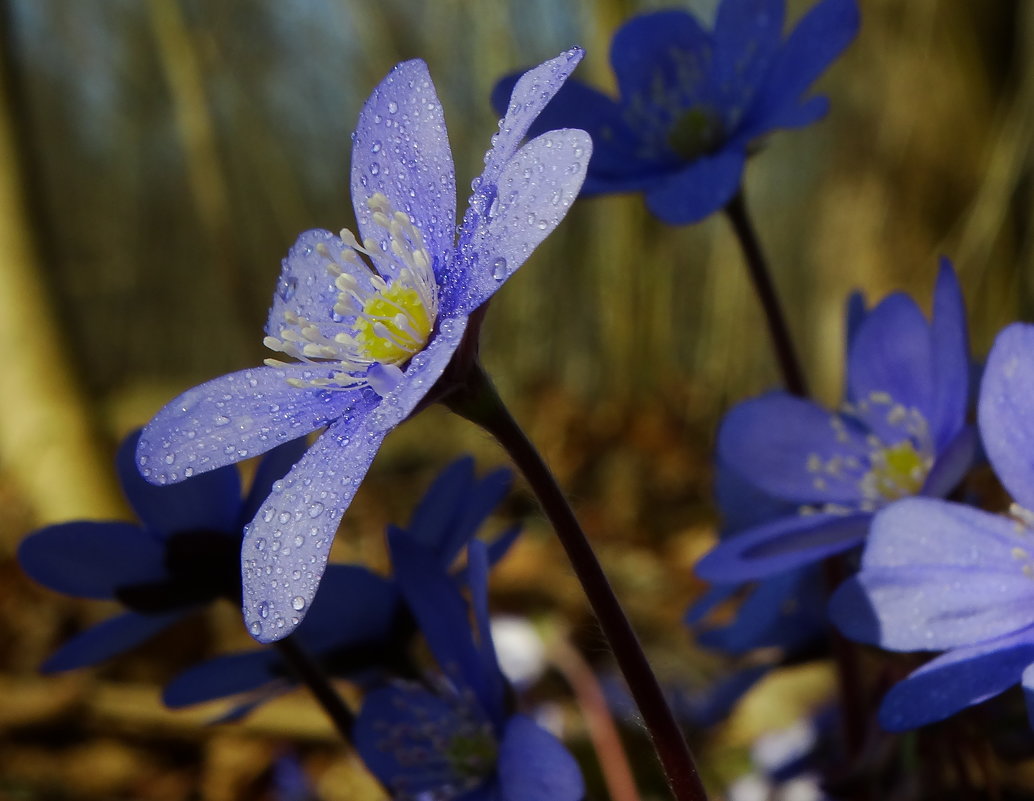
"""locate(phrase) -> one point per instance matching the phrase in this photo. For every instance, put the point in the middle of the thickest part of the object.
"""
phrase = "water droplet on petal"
(316, 510)
(297, 603)
(255, 628)
(263, 610)
(499, 269)
(221, 420)
(392, 107)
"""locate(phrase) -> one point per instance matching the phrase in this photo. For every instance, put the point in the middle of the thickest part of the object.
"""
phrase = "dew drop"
(376, 146)
(263, 610)
(288, 286)
(170, 458)
(297, 603)
(375, 168)
(499, 269)
(255, 628)
(316, 510)
(221, 420)
(392, 107)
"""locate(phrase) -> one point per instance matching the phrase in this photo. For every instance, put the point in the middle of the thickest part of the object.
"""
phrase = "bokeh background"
(158, 158)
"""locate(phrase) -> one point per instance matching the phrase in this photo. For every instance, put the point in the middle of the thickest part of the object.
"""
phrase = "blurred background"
(158, 158)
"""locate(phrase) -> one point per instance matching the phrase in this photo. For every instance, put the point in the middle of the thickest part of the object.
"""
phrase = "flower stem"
(311, 675)
(479, 402)
(760, 275)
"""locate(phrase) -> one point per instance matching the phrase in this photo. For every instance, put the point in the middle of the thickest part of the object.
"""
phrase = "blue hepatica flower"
(458, 739)
(373, 323)
(182, 556)
(942, 576)
(692, 102)
(900, 432)
(359, 628)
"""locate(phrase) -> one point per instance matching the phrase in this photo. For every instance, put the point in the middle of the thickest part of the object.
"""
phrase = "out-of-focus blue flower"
(901, 431)
(182, 556)
(373, 321)
(693, 102)
(458, 738)
(359, 627)
(940, 576)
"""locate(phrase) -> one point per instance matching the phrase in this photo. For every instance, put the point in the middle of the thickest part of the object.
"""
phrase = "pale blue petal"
(1006, 411)
(233, 417)
(532, 193)
(401, 149)
(281, 573)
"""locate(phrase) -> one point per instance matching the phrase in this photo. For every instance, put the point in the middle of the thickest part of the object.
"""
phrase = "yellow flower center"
(896, 472)
(394, 325)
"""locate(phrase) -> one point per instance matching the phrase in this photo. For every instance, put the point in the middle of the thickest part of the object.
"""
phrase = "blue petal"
(786, 611)
(703, 187)
(782, 545)
(955, 680)
(951, 362)
(440, 612)
(495, 684)
(924, 531)
(742, 505)
(665, 50)
(435, 513)
(399, 734)
(927, 608)
(275, 602)
(952, 463)
(482, 500)
(746, 37)
(273, 467)
(891, 355)
(616, 164)
(556, 776)
(306, 286)
(500, 546)
(401, 149)
(109, 638)
(352, 606)
(92, 560)
(233, 417)
(817, 40)
(512, 213)
(770, 440)
(529, 97)
(208, 502)
(1006, 411)
(221, 677)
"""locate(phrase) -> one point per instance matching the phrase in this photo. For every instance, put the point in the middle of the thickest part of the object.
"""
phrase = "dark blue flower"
(693, 102)
(901, 431)
(940, 576)
(182, 556)
(455, 735)
(373, 323)
(358, 627)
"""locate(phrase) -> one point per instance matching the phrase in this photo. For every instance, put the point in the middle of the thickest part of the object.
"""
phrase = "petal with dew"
(533, 192)
(109, 638)
(273, 467)
(401, 149)
(556, 776)
(306, 287)
(781, 443)
(92, 560)
(704, 186)
(233, 417)
(281, 573)
(956, 680)
(209, 501)
(1006, 412)
(616, 163)
(784, 544)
